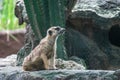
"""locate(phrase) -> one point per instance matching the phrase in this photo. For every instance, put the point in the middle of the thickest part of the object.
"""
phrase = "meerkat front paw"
(53, 68)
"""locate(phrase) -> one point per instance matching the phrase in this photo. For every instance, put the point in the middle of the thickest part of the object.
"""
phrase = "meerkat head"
(55, 31)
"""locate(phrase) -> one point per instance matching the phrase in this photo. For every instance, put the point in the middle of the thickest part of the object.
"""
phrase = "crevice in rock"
(114, 35)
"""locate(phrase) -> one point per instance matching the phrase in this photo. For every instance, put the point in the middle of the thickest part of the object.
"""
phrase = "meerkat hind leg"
(38, 63)
(30, 67)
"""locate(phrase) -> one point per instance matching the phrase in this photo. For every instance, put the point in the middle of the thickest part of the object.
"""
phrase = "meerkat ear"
(50, 32)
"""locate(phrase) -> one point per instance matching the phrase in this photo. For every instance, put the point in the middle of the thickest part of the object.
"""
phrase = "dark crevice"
(114, 35)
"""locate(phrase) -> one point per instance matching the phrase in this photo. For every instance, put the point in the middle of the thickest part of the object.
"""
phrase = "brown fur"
(43, 56)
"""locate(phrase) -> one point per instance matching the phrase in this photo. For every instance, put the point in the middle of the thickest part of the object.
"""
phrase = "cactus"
(43, 14)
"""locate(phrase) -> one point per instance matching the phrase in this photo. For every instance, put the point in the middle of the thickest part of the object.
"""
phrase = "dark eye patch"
(50, 32)
(57, 29)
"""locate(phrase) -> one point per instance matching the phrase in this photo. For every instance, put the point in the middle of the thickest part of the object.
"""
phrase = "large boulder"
(93, 30)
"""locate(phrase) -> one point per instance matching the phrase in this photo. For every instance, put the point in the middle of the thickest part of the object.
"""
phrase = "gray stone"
(117, 73)
(16, 73)
(93, 30)
(8, 61)
(103, 8)
(68, 65)
(78, 60)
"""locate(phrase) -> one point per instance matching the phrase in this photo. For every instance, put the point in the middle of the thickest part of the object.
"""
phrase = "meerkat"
(42, 57)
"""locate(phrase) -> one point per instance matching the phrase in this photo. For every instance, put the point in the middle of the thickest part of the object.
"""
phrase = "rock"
(117, 73)
(109, 4)
(67, 70)
(60, 64)
(106, 8)
(8, 61)
(78, 60)
(20, 12)
(15, 73)
(92, 34)
(68, 65)
(86, 49)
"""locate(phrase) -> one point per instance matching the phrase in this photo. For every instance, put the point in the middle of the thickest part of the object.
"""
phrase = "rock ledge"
(16, 73)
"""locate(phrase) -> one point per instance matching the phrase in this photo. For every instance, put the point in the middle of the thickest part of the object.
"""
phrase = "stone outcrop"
(69, 65)
(8, 61)
(16, 73)
(65, 72)
(93, 30)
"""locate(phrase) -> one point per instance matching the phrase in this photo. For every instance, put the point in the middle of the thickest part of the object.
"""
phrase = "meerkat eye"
(50, 32)
(57, 29)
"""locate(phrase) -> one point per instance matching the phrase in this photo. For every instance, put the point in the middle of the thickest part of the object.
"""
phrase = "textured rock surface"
(16, 73)
(93, 30)
(8, 61)
(69, 65)
(106, 8)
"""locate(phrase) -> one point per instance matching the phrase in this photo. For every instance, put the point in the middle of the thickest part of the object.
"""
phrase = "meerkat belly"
(49, 51)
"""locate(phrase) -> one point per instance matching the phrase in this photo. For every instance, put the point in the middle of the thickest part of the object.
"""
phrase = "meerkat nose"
(63, 29)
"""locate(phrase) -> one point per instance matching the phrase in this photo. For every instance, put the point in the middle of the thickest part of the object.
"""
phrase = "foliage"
(8, 21)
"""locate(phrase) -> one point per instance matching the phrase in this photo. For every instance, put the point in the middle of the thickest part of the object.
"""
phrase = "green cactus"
(44, 14)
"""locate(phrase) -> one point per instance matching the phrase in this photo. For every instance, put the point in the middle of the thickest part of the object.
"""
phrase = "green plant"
(8, 21)
(44, 14)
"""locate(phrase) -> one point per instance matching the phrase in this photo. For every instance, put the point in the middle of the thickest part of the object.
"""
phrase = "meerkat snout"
(62, 31)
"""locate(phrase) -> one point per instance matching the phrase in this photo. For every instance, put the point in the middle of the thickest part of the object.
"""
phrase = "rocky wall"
(93, 29)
